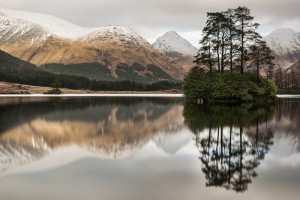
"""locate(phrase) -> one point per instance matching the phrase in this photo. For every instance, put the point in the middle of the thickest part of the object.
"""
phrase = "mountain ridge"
(177, 49)
(285, 44)
(115, 47)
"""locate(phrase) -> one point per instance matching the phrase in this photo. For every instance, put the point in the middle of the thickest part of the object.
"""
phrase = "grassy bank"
(289, 91)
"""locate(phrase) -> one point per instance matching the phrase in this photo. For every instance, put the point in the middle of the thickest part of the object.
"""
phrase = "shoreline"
(18, 90)
(124, 94)
(97, 95)
(15, 89)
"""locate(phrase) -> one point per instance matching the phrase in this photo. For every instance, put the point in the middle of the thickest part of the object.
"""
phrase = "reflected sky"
(147, 148)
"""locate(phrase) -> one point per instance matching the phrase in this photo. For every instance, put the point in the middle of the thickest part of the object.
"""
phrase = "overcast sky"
(152, 18)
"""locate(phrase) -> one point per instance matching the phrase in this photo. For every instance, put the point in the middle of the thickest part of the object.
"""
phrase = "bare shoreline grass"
(16, 88)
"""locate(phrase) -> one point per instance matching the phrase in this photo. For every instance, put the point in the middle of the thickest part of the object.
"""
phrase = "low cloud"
(153, 18)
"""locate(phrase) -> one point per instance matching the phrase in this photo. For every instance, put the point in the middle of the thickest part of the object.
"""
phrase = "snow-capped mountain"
(177, 48)
(42, 39)
(172, 44)
(50, 23)
(285, 43)
(116, 34)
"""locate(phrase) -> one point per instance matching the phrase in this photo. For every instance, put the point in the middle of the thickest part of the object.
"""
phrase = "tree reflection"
(229, 148)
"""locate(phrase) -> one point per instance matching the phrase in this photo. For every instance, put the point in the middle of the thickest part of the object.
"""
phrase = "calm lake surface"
(147, 148)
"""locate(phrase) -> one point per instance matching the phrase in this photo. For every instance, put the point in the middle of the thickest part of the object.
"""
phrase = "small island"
(229, 61)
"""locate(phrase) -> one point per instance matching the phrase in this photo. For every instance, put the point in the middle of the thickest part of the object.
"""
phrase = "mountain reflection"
(109, 127)
(230, 141)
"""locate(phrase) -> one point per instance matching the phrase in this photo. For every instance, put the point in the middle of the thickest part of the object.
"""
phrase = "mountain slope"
(119, 50)
(172, 44)
(50, 23)
(285, 43)
(9, 62)
(295, 67)
(177, 48)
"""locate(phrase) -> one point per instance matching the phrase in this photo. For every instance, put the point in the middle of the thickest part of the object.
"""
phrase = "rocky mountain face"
(285, 43)
(176, 48)
(46, 40)
(294, 68)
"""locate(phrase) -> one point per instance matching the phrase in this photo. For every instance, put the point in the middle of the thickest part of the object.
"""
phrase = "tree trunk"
(231, 51)
(257, 70)
(242, 53)
(222, 58)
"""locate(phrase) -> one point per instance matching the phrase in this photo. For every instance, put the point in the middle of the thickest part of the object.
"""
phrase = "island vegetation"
(229, 61)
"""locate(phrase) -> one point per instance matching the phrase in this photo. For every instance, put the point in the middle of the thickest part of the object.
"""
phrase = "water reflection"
(229, 148)
(147, 149)
(111, 128)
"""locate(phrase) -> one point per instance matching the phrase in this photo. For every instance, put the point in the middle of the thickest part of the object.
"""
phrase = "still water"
(148, 148)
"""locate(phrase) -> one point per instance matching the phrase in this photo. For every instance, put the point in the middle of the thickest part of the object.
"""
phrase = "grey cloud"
(156, 16)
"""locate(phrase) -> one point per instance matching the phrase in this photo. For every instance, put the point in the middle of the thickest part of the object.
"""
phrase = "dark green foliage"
(199, 84)
(97, 71)
(134, 86)
(259, 55)
(230, 39)
(41, 78)
(288, 91)
(246, 32)
(53, 91)
(198, 118)
(57, 84)
(159, 73)
(13, 63)
(138, 67)
(226, 39)
(89, 70)
(126, 73)
(31, 77)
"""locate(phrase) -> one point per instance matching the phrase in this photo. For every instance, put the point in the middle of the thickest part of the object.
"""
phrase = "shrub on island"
(214, 86)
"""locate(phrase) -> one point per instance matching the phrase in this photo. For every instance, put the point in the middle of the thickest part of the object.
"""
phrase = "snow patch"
(283, 40)
(53, 24)
(117, 34)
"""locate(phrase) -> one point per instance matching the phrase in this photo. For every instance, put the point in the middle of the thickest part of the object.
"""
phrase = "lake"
(137, 148)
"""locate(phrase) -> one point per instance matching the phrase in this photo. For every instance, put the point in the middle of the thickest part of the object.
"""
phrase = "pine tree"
(208, 54)
(260, 54)
(246, 32)
(232, 37)
(205, 55)
(213, 25)
(215, 41)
